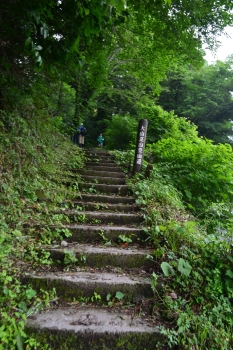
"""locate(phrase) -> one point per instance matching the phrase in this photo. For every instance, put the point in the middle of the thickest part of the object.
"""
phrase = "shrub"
(121, 132)
(201, 171)
(163, 124)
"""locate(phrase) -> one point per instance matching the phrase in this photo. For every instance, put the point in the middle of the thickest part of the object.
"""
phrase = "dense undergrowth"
(35, 163)
(192, 249)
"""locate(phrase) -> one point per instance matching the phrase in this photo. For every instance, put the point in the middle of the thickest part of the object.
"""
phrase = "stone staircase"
(102, 300)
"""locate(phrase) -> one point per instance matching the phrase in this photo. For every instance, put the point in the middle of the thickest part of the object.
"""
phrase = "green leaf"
(4, 186)
(229, 257)
(87, 11)
(5, 290)
(181, 230)
(28, 41)
(229, 273)
(184, 267)
(30, 293)
(180, 329)
(22, 306)
(188, 194)
(119, 295)
(44, 32)
(87, 29)
(108, 297)
(19, 342)
(167, 269)
(119, 4)
(70, 257)
(39, 60)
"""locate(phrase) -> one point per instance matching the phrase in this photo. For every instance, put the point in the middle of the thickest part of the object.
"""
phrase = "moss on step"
(88, 340)
(101, 259)
(68, 289)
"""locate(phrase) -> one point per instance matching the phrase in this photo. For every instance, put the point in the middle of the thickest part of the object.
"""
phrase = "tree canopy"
(113, 54)
(149, 33)
(203, 96)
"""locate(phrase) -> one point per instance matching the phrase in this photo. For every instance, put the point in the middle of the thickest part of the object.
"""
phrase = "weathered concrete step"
(101, 173)
(99, 167)
(99, 155)
(118, 189)
(70, 285)
(91, 233)
(97, 151)
(88, 328)
(104, 168)
(104, 180)
(99, 217)
(100, 159)
(124, 208)
(106, 199)
(102, 164)
(100, 256)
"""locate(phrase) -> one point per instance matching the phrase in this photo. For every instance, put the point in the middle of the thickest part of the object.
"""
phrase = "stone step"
(91, 233)
(117, 189)
(99, 168)
(102, 164)
(124, 208)
(101, 256)
(100, 159)
(88, 328)
(99, 155)
(105, 168)
(101, 173)
(99, 198)
(104, 180)
(70, 285)
(98, 217)
(97, 151)
(107, 263)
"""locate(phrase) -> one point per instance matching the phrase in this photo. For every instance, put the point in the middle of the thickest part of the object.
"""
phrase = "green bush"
(121, 132)
(163, 124)
(199, 170)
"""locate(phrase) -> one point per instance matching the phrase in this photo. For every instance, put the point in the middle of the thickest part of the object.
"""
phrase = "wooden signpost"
(140, 146)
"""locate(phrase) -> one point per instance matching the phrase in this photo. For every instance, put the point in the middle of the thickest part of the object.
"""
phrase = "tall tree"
(50, 31)
(203, 96)
(47, 34)
(137, 40)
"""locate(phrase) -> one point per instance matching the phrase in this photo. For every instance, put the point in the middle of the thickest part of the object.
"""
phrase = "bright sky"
(224, 50)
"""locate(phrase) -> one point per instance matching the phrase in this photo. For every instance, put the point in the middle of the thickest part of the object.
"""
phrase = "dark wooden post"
(141, 141)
